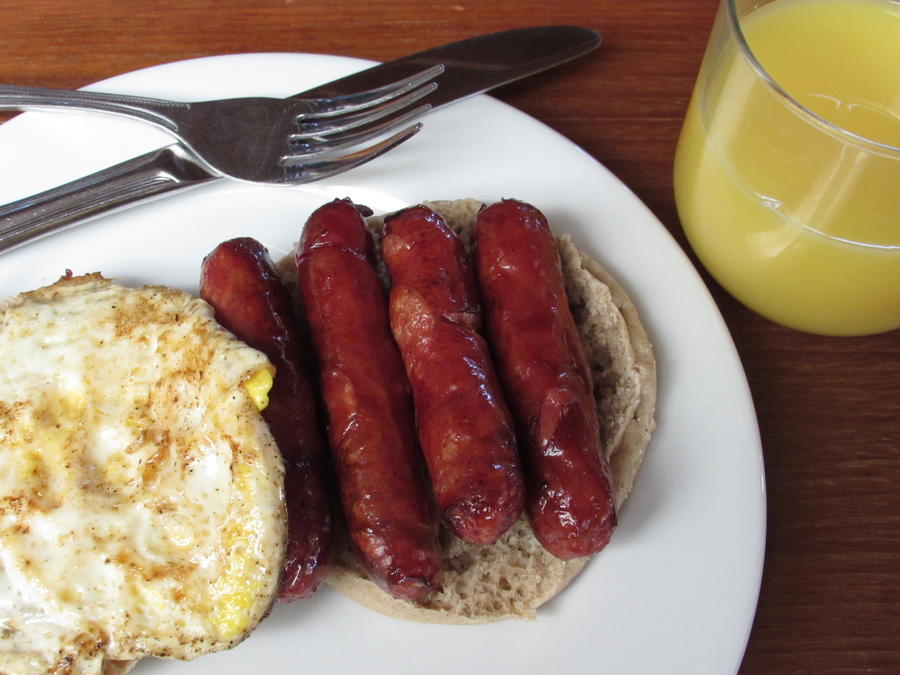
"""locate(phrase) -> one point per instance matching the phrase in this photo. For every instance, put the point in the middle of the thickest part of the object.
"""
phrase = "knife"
(472, 66)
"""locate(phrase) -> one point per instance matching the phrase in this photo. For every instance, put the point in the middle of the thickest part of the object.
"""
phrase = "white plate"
(676, 590)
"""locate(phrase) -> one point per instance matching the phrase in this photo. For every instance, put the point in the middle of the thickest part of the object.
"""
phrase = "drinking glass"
(787, 172)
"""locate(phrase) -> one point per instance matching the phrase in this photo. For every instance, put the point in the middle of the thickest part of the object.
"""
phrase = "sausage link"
(542, 366)
(464, 426)
(390, 515)
(250, 300)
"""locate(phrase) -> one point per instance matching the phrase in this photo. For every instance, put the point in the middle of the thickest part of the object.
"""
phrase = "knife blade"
(471, 66)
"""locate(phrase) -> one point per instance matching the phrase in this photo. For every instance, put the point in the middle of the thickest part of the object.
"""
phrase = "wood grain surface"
(829, 409)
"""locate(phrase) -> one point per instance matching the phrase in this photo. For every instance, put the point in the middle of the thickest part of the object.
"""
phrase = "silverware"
(258, 139)
(472, 67)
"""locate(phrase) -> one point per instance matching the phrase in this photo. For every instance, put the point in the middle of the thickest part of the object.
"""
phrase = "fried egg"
(141, 493)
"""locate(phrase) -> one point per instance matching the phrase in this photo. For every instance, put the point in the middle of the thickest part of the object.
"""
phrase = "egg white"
(141, 494)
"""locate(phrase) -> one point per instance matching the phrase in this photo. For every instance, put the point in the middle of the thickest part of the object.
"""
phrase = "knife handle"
(155, 173)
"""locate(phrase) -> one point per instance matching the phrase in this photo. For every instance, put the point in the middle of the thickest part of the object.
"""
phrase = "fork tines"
(363, 100)
(307, 168)
(343, 122)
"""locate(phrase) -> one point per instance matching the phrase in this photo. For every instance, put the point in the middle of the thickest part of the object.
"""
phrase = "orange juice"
(797, 218)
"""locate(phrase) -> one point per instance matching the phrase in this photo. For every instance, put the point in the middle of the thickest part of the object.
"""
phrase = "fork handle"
(155, 173)
(20, 97)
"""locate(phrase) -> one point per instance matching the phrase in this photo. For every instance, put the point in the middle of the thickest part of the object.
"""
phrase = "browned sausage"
(463, 424)
(250, 300)
(390, 515)
(541, 362)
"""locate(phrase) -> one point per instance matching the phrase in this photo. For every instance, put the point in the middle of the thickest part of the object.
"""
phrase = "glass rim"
(734, 22)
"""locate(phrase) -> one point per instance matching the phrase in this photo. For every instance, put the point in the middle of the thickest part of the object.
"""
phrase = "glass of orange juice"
(787, 173)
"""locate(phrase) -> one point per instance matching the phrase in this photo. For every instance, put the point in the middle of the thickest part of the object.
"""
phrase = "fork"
(260, 139)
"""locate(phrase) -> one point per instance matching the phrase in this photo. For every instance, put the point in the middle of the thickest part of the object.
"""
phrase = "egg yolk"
(240, 583)
(258, 388)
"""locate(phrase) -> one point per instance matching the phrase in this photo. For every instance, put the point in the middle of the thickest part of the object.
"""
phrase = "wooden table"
(829, 409)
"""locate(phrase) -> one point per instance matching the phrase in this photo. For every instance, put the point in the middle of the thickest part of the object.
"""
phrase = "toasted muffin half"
(515, 576)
